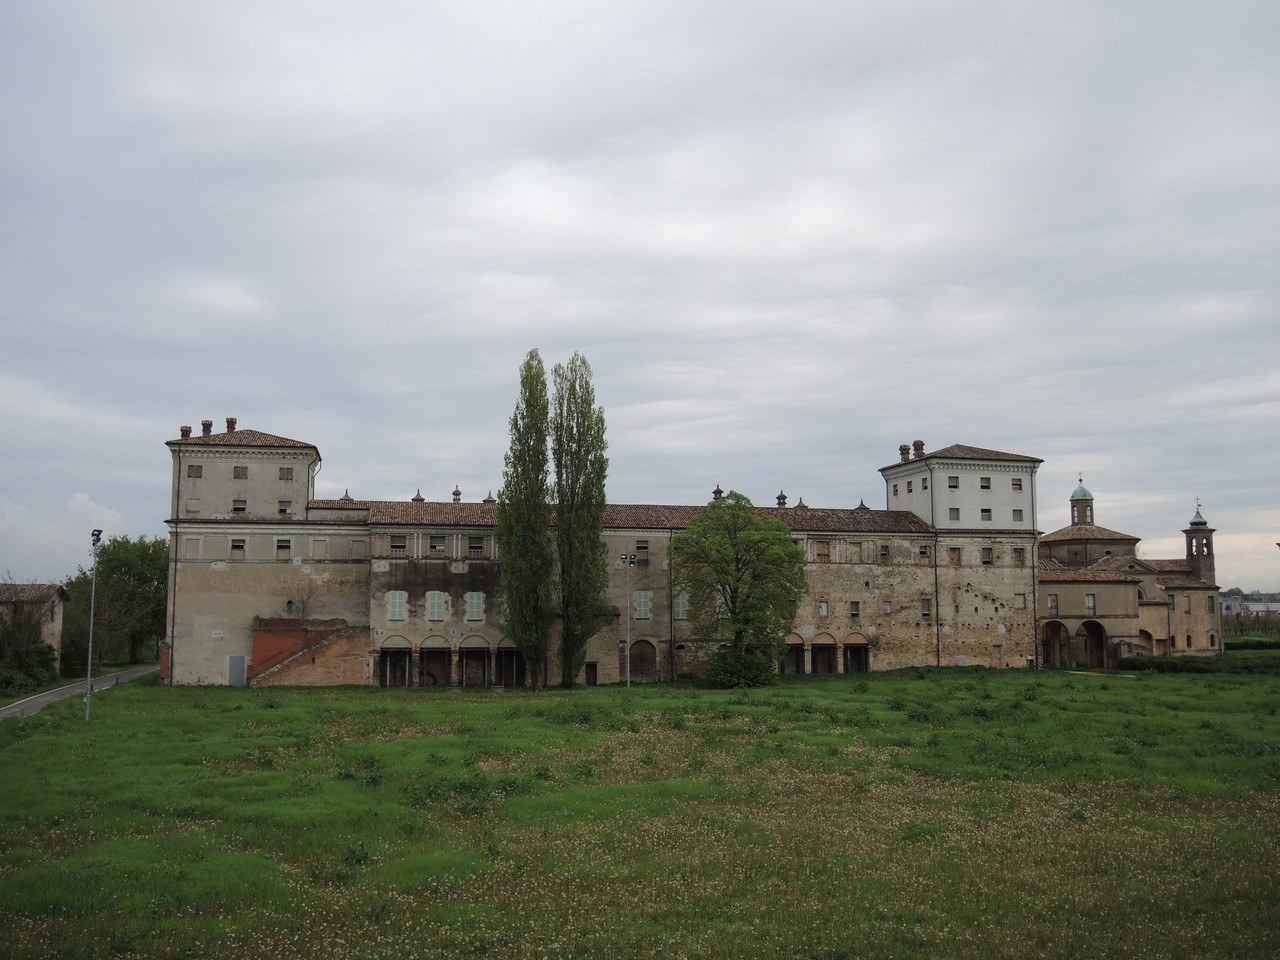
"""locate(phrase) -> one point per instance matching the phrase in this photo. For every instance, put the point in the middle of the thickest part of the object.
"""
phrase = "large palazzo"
(270, 585)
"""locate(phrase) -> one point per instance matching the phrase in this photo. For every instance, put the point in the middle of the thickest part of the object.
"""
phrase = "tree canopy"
(133, 579)
(524, 522)
(743, 576)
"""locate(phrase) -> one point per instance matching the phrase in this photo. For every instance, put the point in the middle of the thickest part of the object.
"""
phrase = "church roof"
(239, 438)
(1050, 571)
(1086, 531)
(1082, 493)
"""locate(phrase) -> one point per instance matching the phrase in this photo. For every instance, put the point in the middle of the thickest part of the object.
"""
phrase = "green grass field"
(959, 813)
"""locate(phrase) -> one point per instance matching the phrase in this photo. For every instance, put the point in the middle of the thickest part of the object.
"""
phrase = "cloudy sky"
(788, 237)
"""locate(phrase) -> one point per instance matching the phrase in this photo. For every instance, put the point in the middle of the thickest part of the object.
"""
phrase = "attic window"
(286, 473)
(195, 471)
(239, 473)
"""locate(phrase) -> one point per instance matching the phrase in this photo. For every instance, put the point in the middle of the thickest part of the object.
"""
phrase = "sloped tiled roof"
(962, 451)
(1086, 531)
(1180, 582)
(860, 519)
(239, 438)
(31, 592)
(1053, 572)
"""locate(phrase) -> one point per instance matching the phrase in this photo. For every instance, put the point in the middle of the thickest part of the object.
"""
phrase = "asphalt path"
(24, 708)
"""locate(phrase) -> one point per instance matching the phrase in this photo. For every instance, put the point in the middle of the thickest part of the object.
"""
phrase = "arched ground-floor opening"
(822, 654)
(793, 660)
(644, 662)
(474, 668)
(857, 656)
(1085, 648)
(394, 657)
(509, 668)
(433, 662)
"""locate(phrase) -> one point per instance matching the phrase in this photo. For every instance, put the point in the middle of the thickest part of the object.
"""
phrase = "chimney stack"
(206, 428)
(904, 452)
(782, 499)
(231, 424)
(917, 449)
(185, 432)
(717, 493)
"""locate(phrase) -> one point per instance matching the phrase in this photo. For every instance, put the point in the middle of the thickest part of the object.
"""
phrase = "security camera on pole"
(93, 591)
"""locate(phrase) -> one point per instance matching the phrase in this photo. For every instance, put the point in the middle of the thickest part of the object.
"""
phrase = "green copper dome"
(1082, 493)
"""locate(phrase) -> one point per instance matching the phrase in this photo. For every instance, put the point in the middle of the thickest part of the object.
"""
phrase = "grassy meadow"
(961, 813)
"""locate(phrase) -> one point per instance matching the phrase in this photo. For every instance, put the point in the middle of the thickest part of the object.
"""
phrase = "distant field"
(959, 813)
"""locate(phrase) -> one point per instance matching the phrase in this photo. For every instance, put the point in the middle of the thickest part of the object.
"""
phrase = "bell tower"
(1082, 506)
(1200, 547)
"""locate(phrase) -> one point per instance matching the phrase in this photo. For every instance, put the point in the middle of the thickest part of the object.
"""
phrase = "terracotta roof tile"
(240, 438)
(1085, 531)
(1051, 572)
(962, 451)
(31, 592)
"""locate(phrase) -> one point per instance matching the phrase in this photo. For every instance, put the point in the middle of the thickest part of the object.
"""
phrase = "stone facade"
(1100, 601)
(44, 601)
(270, 585)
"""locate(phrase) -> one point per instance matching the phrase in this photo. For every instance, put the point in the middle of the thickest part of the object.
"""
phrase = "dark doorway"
(822, 658)
(393, 668)
(856, 659)
(433, 668)
(644, 662)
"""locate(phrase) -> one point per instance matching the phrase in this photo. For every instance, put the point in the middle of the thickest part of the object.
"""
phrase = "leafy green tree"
(133, 577)
(578, 452)
(524, 522)
(26, 661)
(743, 576)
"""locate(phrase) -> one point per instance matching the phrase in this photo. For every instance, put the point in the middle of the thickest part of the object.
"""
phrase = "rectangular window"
(475, 606)
(953, 514)
(1016, 482)
(642, 548)
(953, 554)
(1020, 556)
(908, 486)
(1188, 603)
(237, 549)
(239, 473)
(396, 600)
(1017, 516)
(284, 549)
(895, 489)
(884, 551)
(924, 483)
(985, 514)
(475, 546)
(195, 471)
(824, 609)
(286, 473)
(1209, 604)
(924, 550)
(926, 607)
(680, 609)
(399, 542)
(642, 604)
(953, 483)
(984, 483)
(888, 606)
(1090, 604)
(822, 551)
(987, 556)
(437, 546)
(284, 506)
(435, 605)
(1051, 601)
(855, 609)
(239, 506)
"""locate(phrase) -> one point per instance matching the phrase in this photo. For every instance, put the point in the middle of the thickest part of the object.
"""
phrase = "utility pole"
(628, 562)
(93, 593)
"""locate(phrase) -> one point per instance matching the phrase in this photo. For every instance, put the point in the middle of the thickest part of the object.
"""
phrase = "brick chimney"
(904, 452)
(206, 428)
(231, 424)
(917, 449)
(185, 432)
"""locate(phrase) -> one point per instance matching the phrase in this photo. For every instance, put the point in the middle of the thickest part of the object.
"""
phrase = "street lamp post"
(93, 593)
(628, 562)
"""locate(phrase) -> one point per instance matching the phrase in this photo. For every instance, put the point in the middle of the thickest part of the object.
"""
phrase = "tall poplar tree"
(578, 452)
(524, 522)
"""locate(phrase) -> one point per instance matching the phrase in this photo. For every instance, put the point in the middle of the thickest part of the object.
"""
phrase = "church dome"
(1082, 493)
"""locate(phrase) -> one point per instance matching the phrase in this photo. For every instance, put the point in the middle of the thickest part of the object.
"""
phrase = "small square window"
(284, 549)
(239, 473)
(855, 609)
(924, 550)
(475, 546)
(195, 471)
(985, 514)
(437, 546)
(1020, 556)
(1017, 516)
(953, 514)
(239, 506)
(984, 483)
(953, 483)
(284, 506)
(884, 551)
(237, 549)
(286, 473)
(642, 546)
(399, 542)
(953, 554)
(1016, 483)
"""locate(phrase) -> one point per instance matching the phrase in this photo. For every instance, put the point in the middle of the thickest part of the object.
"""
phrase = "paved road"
(24, 708)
